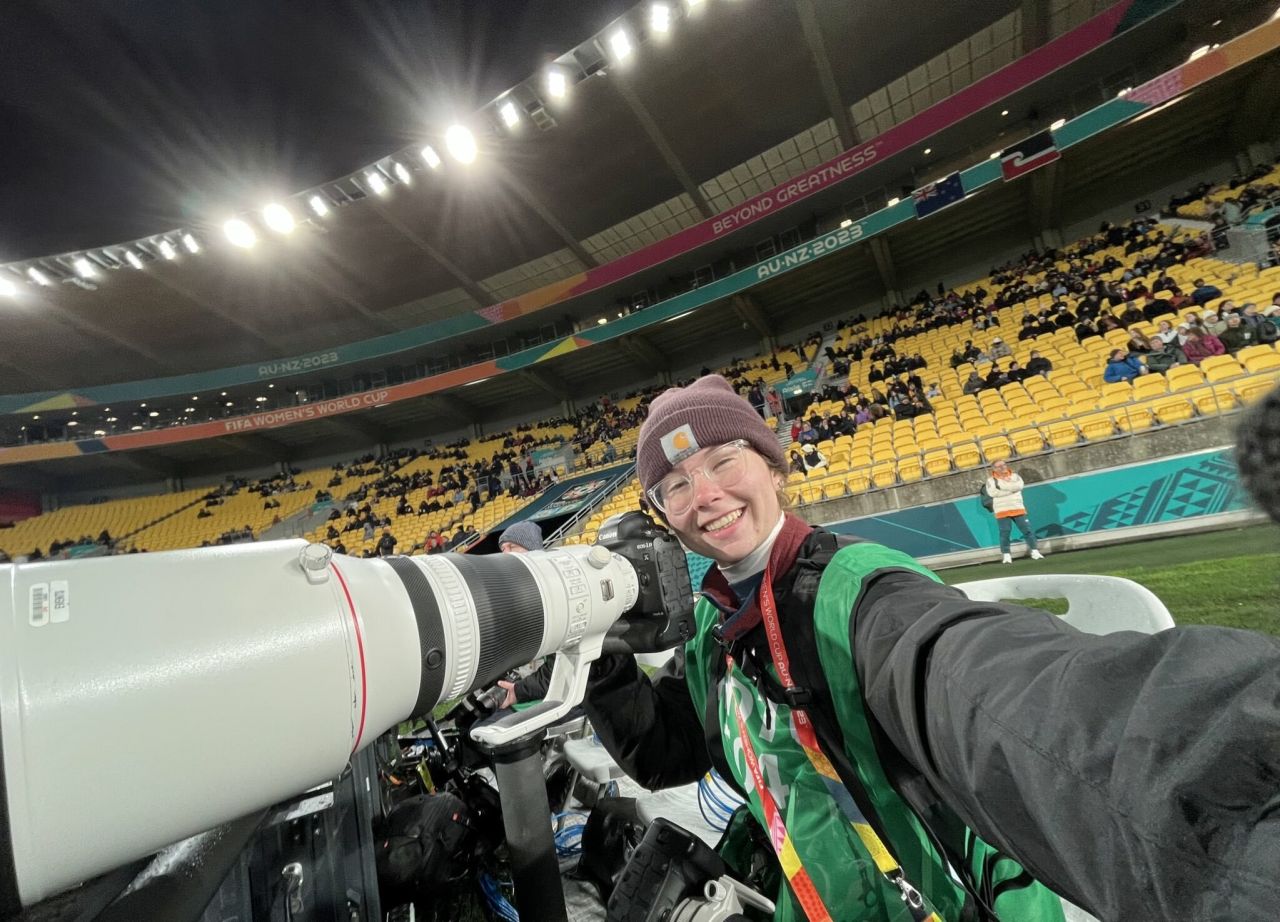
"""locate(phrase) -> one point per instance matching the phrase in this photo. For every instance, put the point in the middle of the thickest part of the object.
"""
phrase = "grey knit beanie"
(683, 420)
(527, 534)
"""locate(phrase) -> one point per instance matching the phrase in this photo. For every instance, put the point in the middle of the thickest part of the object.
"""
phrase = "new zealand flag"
(1029, 154)
(938, 195)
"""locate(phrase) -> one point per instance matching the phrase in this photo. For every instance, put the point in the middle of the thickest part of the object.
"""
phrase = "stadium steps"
(298, 524)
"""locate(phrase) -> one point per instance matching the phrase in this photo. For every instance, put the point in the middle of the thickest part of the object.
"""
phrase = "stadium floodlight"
(113, 419)
(99, 432)
(189, 410)
(135, 428)
(893, 201)
(1199, 53)
(461, 143)
(1057, 124)
(1124, 92)
(260, 399)
(694, 4)
(376, 182)
(620, 45)
(1004, 112)
(402, 173)
(318, 206)
(132, 259)
(279, 218)
(510, 115)
(557, 83)
(37, 276)
(430, 157)
(240, 233)
(1275, 15)
(660, 18)
(154, 413)
(994, 155)
(847, 222)
(167, 250)
(928, 151)
(7, 288)
(602, 321)
(73, 422)
(191, 243)
(84, 268)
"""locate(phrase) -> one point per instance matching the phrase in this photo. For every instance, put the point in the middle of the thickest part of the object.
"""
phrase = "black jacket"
(1137, 775)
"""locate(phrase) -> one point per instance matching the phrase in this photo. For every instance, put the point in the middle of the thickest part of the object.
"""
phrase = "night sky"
(123, 118)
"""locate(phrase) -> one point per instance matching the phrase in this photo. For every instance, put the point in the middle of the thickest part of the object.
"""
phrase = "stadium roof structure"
(737, 99)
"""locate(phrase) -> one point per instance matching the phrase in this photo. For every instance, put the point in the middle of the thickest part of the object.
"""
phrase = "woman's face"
(728, 523)
(1165, 326)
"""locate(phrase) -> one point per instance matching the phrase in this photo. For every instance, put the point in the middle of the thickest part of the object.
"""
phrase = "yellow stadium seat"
(1184, 378)
(1211, 400)
(1265, 360)
(1220, 371)
(858, 481)
(810, 493)
(884, 474)
(1061, 434)
(966, 455)
(995, 448)
(833, 489)
(1172, 409)
(1254, 389)
(1027, 441)
(1113, 399)
(1097, 426)
(937, 462)
(910, 469)
(1150, 385)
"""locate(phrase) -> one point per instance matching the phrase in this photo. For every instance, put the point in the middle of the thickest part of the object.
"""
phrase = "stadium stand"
(903, 355)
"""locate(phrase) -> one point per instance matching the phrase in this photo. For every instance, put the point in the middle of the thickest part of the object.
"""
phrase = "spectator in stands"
(1004, 488)
(1121, 366)
(1166, 333)
(387, 543)
(1131, 314)
(1161, 357)
(1216, 323)
(1237, 335)
(338, 548)
(795, 462)
(999, 349)
(1203, 292)
(1199, 346)
(609, 454)
(1138, 342)
(996, 378)
(1269, 325)
(808, 435)
(1038, 364)
(814, 460)
(974, 383)
(1084, 329)
(368, 530)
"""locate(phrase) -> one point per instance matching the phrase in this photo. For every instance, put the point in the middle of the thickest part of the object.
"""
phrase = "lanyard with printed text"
(807, 737)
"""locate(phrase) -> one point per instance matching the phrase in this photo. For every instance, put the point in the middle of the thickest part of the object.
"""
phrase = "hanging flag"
(1029, 154)
(938, 195)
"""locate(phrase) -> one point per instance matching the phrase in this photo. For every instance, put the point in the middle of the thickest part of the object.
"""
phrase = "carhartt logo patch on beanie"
(684, 420)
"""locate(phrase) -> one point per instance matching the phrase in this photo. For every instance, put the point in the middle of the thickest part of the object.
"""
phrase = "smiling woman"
(875, 718)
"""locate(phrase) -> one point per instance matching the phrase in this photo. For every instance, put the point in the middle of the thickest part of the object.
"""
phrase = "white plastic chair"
(1095, 605)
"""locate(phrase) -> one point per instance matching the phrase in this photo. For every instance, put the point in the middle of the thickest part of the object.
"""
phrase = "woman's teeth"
(723, 522)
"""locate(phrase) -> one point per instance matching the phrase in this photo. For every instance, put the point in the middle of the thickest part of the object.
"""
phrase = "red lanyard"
(801, 883)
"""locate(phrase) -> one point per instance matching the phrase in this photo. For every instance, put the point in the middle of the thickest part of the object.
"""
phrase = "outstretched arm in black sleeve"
(1138, 775)
(648, 725)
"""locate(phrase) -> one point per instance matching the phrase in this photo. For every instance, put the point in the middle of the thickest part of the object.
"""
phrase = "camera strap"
(806, 735)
